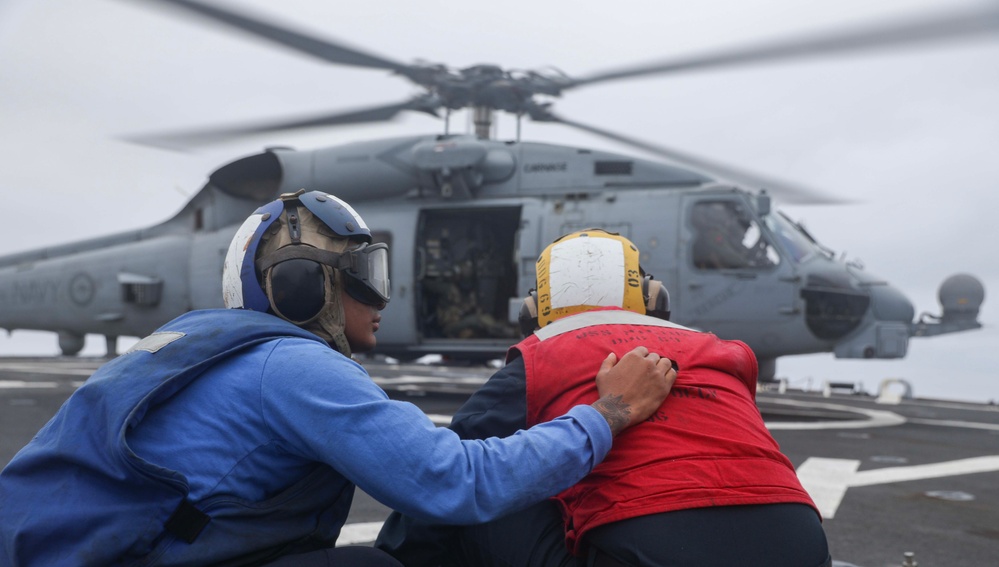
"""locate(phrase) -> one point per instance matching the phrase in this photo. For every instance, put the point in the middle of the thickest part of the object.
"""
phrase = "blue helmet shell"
(340, 217)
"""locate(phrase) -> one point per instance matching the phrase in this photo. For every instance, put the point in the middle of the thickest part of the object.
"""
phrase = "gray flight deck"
(919, 476)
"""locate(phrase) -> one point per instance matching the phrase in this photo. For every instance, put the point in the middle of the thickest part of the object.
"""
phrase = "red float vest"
(706, 446)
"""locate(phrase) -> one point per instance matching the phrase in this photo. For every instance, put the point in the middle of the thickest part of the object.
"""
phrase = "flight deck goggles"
(365, 268)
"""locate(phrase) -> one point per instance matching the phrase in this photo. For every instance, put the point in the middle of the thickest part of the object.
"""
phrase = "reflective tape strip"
(156, 341)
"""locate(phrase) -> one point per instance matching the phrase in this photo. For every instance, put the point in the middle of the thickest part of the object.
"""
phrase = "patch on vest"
(156, 341)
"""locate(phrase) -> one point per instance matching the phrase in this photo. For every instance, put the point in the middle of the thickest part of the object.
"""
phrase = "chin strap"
(330, 323)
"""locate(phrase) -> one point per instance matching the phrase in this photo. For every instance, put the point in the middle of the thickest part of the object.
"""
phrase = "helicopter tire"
(70, 344)
(768, 369)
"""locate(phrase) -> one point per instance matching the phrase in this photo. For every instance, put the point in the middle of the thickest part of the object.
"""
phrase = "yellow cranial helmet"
(587, 270)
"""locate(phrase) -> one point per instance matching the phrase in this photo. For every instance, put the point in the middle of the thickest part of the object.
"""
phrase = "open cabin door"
(466, 273)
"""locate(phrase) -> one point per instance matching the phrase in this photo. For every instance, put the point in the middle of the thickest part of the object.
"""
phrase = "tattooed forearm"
(615, 411)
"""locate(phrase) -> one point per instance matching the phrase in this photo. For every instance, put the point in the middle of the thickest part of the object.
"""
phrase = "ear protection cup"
(657, 298)
(296, 289)
(528, 317)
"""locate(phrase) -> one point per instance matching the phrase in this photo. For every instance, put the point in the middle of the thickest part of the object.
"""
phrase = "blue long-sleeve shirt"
(248, 424)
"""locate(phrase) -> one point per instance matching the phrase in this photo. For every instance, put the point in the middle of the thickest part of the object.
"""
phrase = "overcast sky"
(911, 135)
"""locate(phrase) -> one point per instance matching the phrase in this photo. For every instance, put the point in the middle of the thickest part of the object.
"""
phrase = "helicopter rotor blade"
(949, 25)
(321, 48)
(788, 192)
(191, 138)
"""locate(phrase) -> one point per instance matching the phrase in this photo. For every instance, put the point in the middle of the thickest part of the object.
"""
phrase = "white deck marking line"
(440, 419)
(826, 480)
(875, 418)
(955, 423)
(36, 369)
(966, 406)
(429, 379)
(362, 532)
(22, 384)
(932, 470)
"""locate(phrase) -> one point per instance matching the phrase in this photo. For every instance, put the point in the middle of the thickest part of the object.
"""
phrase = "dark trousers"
(774, 535)
(338, 557)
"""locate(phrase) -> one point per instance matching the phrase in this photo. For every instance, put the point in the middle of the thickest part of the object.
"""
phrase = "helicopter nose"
(887, 327)
(890, 304)
(862, 315)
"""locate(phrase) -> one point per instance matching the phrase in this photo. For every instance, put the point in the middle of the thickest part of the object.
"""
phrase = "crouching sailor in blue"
(236, 436)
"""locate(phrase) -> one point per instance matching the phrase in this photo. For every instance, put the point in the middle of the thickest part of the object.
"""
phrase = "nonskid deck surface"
(919, 476)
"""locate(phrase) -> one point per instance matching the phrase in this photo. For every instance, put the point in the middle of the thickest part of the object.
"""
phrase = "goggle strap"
(332, 259)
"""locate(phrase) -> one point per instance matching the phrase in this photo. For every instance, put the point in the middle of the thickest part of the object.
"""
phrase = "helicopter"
(466, 216)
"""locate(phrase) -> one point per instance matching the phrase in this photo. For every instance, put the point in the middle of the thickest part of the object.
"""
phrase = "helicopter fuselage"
(465, 220)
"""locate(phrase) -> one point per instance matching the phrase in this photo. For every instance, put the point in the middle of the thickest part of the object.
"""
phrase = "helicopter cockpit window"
(796, 244)
(727, 237)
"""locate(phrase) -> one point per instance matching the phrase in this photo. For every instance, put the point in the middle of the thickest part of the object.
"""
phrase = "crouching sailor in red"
(701, 482)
